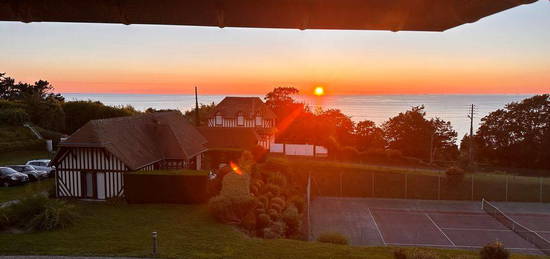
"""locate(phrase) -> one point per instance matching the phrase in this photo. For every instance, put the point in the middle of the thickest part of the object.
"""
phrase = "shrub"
(249, 221)
(14, 117)
(231, 210)
(399, 254)
(275, 164)
(298, 202)
(292, 219)
(273, 189)
(263, 221)
(41, 214)
(277, 179)
(333, 238)
(494, 250)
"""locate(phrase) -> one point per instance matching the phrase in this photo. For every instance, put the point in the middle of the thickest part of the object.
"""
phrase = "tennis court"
(444, 224)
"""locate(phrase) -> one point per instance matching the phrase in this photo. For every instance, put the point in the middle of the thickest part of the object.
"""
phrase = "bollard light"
(155, 243)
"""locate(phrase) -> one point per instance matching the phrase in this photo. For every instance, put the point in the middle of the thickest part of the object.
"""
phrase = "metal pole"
(372, 174)
(439, 187)
(197, 119)
(471, 144)
(472, 187)
(308, 206)
(540, 192)
(507, 180)
(341, 191)
(406, 184)
(155, 243)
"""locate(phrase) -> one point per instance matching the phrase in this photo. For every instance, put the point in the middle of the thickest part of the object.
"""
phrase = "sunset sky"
(505, 53)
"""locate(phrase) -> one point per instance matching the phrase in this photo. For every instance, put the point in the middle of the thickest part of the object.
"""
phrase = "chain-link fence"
(430, 187)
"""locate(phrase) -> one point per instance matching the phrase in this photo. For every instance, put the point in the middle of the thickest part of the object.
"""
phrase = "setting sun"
(319, 90)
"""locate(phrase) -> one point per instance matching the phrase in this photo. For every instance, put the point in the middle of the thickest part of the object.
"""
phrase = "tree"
(517, 135)
(415, 136)
(40, 90)
(205, 110)
(368, 136)
(282, 103)
(78, 113)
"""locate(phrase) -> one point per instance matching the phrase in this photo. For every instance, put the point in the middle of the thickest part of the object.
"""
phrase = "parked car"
(42, 165)
(30, 171)
(9, 177)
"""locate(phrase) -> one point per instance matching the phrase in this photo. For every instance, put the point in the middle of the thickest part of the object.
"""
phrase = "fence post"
(341, 192)
(540, 192)
(372, 174)
(406, 184)
(472, 187)
(439, 187)
(507, 180)
(308, 193)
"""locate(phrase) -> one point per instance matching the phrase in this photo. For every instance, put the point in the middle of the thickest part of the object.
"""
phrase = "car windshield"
(8, 171)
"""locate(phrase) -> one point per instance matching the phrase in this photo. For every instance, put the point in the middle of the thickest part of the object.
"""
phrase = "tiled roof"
(229, 107)
(142, 139)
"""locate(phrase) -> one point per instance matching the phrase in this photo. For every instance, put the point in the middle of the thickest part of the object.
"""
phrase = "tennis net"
(526, 233)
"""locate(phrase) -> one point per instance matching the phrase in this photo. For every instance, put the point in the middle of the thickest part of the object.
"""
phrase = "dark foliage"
(414, 135)
(38, 213)
(78, 113)
(204, 112)
(516, 136)
(494, 250)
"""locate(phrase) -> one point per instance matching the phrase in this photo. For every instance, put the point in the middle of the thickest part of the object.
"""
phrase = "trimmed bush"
(230, 210)
(333, 238)
(494, 250)
(292, 219)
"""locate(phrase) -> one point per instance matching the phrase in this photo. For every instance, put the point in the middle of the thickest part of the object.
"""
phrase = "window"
(218, 118)
(240, 119)
(259, 119)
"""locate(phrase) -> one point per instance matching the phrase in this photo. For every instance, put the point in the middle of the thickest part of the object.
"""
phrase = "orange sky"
(505, 53)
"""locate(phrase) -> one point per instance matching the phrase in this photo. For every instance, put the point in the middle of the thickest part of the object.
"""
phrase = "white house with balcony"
(246, 112)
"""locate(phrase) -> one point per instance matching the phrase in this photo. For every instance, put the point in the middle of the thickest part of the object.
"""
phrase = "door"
(89, 185)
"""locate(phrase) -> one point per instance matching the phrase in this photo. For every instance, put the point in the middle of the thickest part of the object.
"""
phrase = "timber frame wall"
(94, 173)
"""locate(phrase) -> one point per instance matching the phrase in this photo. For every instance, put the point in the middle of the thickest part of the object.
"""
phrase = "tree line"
(517, 135)
(37, 103)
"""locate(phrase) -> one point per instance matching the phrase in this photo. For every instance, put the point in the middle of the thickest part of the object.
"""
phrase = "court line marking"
(440, 230)
(377, 228)
(479, 229)
(458, 246)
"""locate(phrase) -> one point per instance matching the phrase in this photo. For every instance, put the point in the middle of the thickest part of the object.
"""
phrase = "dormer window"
(240, 119)
(218, 118)
(259, 119)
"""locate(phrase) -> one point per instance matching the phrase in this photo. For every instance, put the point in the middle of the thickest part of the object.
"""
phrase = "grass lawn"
(21, 157)
(18, 192)
(184, 231)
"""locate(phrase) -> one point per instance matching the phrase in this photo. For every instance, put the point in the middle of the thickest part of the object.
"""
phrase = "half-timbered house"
(245, 112)
(90, 164)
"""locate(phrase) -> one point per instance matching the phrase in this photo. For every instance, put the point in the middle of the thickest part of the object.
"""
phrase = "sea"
(377, 108)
